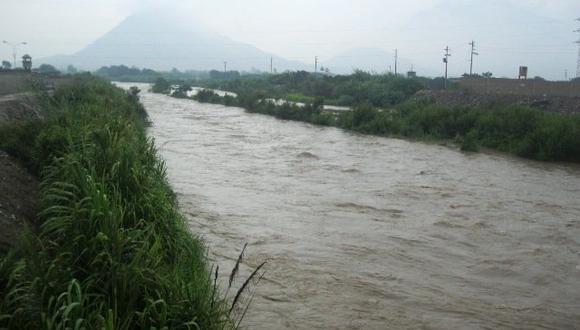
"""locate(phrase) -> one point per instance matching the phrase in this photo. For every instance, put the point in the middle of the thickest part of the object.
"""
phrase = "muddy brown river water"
(363, 232)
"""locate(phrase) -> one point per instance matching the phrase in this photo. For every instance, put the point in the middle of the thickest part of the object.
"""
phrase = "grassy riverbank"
(515, 129)
(112, 251)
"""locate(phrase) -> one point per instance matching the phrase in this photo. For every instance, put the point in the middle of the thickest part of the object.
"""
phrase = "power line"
(473, 53)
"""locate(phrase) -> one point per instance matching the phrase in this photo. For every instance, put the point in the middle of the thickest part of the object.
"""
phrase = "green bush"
(161, 86)
(469, 142)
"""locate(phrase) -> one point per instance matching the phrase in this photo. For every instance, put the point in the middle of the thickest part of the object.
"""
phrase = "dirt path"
(13, 97)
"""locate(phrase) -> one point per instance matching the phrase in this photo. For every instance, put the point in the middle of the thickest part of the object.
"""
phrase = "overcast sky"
(295, 29)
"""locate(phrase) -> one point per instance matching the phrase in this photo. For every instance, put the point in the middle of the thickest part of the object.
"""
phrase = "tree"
(47, 69)
(161, 86)
(6, 65)
(437, 83)
(71, 69)
(487, 74)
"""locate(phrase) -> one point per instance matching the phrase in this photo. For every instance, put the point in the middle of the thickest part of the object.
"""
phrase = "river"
(364, 232)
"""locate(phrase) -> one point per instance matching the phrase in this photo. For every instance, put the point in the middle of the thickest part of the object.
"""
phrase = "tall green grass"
(113, 252)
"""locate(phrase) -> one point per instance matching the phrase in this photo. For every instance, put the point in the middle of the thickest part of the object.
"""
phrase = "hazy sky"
(294, 29)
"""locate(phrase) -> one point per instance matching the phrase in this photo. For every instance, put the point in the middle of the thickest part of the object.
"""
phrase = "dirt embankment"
(17, 107)
(561, 104)
(19, 200)
(19, 190)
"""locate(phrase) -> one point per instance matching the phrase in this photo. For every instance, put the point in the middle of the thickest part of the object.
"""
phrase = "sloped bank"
(19, 199)
(19, 188)
(112, 252)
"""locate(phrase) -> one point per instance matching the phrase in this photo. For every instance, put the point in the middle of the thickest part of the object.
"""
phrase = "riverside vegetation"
(111, 251)
(516, 129)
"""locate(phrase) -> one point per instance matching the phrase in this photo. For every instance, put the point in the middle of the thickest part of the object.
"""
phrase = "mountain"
(372, 60)
(507, 35)
(164, 40)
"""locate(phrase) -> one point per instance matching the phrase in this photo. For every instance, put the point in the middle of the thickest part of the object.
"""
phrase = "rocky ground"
(559, 104)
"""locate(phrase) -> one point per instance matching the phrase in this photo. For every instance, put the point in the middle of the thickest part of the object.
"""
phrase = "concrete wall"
(529, 87)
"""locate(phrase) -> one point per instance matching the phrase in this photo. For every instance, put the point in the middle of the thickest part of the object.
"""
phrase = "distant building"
(411, 74)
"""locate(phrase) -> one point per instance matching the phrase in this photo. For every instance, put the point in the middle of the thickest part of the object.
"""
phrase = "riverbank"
(112, 251)
(515, 129)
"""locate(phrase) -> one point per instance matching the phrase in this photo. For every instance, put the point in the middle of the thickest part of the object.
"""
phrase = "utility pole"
(396, 59)
(578, 60)
(446, 61)
(473, 52)
(225, 66)
(315, 64)
(14, 46)
(271, 65)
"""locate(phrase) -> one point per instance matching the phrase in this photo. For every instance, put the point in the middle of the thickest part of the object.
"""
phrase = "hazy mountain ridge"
(507, 35)
(163, 41)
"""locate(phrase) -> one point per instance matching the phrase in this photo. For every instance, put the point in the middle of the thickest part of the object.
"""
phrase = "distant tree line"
(125, 73)
(301, 86)
(344, 90)
(220, 75)
(134, 74)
